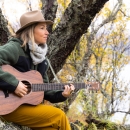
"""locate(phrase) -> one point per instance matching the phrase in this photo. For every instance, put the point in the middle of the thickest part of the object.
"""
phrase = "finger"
(20, 95)
(72, 87)
(67, 87)
(25, 88)
(24, 92)
(72, 91)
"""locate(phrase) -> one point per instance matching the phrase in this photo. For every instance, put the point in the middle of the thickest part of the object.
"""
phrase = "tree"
(108, 44)
(74, 22)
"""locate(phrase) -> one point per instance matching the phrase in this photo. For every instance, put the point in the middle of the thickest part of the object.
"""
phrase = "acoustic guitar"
(36, 88)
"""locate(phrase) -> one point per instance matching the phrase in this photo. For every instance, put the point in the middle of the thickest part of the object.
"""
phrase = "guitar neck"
(60, 86)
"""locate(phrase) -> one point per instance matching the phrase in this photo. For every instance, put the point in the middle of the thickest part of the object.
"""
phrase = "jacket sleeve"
(54, 96)
(9, 54)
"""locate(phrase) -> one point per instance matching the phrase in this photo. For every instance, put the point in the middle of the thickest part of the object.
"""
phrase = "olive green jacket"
(13, 54)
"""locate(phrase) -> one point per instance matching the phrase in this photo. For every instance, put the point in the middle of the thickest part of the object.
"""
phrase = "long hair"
(27, 35)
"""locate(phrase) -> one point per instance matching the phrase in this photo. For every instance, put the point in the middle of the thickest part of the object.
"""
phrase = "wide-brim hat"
(30, 18)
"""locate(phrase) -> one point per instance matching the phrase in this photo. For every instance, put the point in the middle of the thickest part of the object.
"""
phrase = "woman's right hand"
(21, 90)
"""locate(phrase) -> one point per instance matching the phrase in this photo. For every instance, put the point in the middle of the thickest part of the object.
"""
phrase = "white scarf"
(37, 53)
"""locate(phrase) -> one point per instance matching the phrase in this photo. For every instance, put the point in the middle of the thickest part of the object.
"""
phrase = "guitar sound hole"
(28, 86)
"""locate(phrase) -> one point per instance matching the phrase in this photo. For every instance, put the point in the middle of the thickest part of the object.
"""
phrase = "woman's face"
(40, 33)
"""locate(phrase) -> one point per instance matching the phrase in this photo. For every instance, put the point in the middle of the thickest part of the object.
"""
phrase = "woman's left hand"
(68, 90)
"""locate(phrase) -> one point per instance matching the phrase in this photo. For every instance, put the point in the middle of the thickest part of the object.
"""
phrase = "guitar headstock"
(94, 86)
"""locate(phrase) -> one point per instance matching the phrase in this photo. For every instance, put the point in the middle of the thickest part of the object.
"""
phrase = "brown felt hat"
(30, 18)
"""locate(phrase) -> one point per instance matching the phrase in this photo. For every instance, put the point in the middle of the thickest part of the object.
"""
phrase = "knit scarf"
(37, 52)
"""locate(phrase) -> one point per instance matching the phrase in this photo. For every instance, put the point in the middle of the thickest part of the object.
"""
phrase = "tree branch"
(49, 9)
(74, 23)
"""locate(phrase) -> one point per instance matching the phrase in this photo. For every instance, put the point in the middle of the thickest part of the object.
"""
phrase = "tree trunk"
(74, 23)
(4, 32)
(49, 9)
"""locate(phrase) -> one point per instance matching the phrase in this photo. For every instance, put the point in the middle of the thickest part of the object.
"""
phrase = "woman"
(26, 51)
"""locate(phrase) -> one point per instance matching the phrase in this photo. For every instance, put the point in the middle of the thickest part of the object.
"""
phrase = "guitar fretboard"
(60, 86)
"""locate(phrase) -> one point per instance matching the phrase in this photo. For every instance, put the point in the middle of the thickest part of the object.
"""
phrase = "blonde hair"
(27, 35)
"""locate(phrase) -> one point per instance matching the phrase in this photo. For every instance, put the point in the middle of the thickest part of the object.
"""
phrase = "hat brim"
(48, 22)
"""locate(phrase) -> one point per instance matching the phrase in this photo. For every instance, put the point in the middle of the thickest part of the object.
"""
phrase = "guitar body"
(12, 102)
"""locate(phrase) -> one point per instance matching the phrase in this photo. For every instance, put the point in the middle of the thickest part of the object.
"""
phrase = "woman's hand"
(68, 90)
(21, 90)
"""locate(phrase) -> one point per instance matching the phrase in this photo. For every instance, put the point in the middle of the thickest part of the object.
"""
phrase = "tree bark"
(49, 9)
(4, 32)
(74, 23)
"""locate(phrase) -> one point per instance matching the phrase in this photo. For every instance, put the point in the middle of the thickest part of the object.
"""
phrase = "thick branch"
(4, 32)
(73, 25)
(49, 9)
